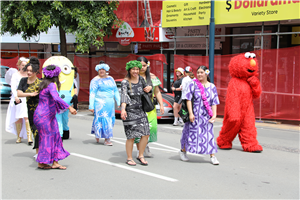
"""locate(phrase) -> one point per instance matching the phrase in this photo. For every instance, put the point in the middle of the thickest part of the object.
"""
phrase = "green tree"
(89, 21)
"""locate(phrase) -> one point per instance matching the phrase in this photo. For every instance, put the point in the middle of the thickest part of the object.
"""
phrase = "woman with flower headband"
(103, 92)
(17, 116)
(153, 82)
(28, 87)
(197, 135)
(134, 118)
(50, 143)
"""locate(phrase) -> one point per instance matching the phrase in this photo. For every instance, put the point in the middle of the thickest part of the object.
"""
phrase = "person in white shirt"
(17, 114)
(186, 80)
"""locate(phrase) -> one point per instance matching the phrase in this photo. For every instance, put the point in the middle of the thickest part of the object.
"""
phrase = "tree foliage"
(89, 21)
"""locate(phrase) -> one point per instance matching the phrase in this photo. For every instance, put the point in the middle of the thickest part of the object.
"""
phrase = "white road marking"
(170, 149)
(126, 167)
(119, 138)
(180, 128)
(216, 126)
(164, 149)
(116, 141)
(150, 143)
(166, 146)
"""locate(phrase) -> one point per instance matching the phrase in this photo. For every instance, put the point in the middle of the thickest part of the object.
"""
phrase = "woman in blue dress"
(103, 91)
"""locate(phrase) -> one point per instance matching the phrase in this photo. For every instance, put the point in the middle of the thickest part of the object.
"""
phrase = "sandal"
(108, 143)
(132, 163)
(59, 167)
(45, 167)
(142, 163)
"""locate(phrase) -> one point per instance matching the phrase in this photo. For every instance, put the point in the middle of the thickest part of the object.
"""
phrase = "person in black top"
(29, 87)
(177, 91)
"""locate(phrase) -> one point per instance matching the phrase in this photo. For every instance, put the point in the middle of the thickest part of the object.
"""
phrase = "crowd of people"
(35, 103)
(140, 126)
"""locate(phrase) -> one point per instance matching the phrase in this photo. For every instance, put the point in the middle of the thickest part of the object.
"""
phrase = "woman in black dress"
(28, 87)
(134, 118)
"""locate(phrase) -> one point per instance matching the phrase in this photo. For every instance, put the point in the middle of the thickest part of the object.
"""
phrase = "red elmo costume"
(239, 116)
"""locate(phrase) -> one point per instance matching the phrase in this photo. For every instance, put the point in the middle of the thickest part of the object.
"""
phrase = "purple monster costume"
(198, 137)
(50, 143)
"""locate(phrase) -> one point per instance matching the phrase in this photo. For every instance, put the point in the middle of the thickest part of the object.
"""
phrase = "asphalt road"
(96, 171)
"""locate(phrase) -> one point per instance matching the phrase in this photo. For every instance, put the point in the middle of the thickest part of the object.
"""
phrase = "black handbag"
(147, 103)
(146, 100)
(184, 112)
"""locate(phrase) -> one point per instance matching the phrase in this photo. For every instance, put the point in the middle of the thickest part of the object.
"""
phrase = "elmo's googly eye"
(247, 55)
(66, 69)
(252, 55)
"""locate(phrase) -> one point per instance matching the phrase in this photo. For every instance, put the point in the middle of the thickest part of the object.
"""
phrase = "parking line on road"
(127, 168)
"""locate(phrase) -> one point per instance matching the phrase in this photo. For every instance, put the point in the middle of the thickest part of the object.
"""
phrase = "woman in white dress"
(17, 115)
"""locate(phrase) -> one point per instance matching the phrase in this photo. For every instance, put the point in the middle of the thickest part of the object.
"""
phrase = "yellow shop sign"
(197, 13)
(241, 11)
(185, 13)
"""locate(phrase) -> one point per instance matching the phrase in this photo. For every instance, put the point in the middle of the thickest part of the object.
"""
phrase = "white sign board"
(194, 45)
(51, 37)
(165, 34)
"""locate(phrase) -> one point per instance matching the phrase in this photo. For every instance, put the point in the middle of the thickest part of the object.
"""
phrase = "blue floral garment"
(103, 91)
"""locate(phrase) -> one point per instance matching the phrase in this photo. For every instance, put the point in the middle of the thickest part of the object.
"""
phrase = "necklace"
(204, 84)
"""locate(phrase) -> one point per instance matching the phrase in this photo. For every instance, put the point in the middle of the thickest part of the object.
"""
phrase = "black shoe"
(66, 135)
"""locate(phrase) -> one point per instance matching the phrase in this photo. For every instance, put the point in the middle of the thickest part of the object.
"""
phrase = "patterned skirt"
(136, 124)
(152, 119)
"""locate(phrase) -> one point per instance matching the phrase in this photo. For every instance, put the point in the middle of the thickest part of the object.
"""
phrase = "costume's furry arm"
(255, 86)
(232, 107)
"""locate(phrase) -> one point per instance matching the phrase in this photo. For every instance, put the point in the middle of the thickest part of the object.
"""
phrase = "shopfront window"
(242, 44)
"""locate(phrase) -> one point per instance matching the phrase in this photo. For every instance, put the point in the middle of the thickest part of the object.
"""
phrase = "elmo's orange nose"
(252, 63)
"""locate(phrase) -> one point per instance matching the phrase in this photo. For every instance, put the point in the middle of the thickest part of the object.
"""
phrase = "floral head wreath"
(207, 71)
(51, 73)
(102, 66)
(132, 64)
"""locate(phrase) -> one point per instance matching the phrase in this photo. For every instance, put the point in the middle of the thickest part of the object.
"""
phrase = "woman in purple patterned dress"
(197, 135)
(50, 143)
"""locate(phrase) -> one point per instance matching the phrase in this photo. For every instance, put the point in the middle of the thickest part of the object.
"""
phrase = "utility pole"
(212, 40)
